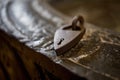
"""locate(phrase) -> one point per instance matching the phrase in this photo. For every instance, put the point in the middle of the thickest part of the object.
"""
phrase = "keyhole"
(61, 40)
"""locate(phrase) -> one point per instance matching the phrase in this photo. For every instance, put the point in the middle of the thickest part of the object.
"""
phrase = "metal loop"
(75, 21)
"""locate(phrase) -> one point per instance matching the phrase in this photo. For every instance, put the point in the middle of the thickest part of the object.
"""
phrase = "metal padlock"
(69, 35)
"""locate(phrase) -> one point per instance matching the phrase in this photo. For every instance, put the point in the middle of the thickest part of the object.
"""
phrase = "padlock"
(69, 35)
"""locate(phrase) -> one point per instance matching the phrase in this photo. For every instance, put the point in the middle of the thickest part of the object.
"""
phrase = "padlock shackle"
(78, 21)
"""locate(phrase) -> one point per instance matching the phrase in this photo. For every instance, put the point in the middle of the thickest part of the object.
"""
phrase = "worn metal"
(69, 35)
(96, 56)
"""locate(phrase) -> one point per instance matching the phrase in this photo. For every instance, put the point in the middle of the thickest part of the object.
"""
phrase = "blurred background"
(102, 13)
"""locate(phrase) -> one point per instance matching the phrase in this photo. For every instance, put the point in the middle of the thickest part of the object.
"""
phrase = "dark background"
(102, 13)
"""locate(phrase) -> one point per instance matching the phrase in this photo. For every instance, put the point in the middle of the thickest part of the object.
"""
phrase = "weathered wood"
(33, 22)
(22, 63)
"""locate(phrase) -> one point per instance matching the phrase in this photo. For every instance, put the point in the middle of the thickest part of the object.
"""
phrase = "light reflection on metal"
(30, 22)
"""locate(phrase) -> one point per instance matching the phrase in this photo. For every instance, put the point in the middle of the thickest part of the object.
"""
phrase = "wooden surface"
(96, 56)
(18, 62)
